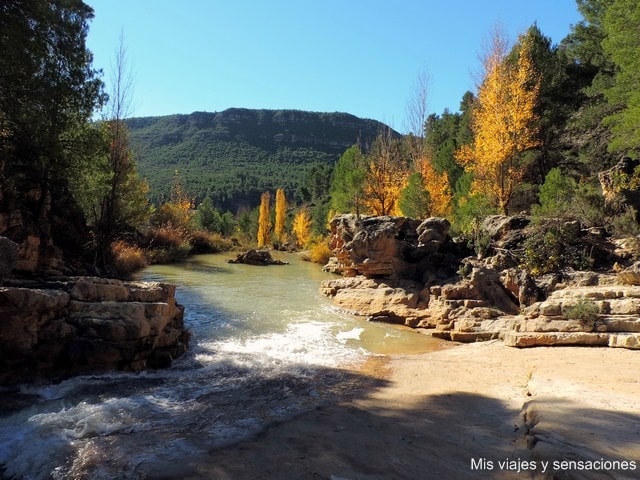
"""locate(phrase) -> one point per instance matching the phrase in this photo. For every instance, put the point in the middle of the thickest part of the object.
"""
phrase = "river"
(266, 346)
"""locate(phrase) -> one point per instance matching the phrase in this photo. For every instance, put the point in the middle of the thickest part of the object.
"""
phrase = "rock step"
(540, 339)
(625, 340)
(597, 292)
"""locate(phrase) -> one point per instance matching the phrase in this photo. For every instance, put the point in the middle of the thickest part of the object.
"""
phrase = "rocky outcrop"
(404, 271)
(87, 324)
(389, 247)
(615, 185)
(256, 257)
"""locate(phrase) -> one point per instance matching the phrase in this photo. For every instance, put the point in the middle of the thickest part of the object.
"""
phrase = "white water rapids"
(266, 346)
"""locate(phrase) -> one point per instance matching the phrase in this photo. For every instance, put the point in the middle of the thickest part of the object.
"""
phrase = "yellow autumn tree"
(178, 211)
(264, 220)
(302, 227)
(503, 123)
(437, 184)
(385, 177)
(281, 211)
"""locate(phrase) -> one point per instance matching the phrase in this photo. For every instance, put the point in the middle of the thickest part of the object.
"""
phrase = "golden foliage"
(281, 211)
(264, 220)
(386, 177)
(302, 227)
(437, 184)
(503, 123)
(320, 253)
(178, 212)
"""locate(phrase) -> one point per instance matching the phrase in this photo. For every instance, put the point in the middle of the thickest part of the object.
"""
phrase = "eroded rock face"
(384, 247)
(403, 271)
(88, 324)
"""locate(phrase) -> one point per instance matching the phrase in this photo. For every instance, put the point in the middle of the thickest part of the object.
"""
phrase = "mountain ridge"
(233, 155)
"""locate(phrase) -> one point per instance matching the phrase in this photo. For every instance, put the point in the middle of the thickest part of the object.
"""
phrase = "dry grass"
(127, 258)
(203, 241)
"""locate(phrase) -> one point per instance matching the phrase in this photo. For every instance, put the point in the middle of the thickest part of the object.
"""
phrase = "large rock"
(88, 324)
(390, 247)
(256, 257)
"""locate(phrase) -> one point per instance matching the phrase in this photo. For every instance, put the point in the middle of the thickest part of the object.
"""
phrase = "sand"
(476, 411)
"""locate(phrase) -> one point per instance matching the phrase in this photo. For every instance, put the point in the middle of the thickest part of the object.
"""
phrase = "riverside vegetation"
(544, 134)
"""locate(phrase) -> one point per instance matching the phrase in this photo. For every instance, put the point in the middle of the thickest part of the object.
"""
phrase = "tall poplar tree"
(281, 212)
(504, 123)
(264, 220)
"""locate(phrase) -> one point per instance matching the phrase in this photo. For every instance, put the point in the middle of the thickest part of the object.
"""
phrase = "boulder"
(505, 232)
(257, 257)
(432, 234)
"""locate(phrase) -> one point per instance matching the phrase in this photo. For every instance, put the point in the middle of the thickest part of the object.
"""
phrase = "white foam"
(306, 343)
(353, 334)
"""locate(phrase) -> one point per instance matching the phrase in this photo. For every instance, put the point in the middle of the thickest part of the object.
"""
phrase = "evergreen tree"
(622, 44)
(347, 181)
(414, 199)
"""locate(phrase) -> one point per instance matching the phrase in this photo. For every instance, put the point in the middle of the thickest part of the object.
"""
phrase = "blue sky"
(356, 56)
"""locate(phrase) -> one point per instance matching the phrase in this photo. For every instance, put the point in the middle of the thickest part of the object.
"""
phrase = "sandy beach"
(479, 410)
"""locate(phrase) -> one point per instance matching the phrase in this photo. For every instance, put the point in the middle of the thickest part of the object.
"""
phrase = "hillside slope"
(234, 155)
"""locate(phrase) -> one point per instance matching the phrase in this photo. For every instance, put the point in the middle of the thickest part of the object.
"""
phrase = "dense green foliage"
(48, 92)
(235, 155)
(414, 198)
(622, 44)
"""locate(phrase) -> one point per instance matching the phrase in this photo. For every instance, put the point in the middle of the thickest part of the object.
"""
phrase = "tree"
(177, 212)
(590, 72)
(556, 195)
(302, 227)
(437, 184)
(622, 44)
(264, 221)
(347, 181)
(281, 212)
(503, 123)
(385, 176)
(414, 199)
(48, 93)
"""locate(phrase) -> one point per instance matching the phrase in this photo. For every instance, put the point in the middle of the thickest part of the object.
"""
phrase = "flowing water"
(266, 346)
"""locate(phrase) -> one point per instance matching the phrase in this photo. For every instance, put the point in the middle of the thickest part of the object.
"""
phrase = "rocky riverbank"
(57, 328)
(401, 270)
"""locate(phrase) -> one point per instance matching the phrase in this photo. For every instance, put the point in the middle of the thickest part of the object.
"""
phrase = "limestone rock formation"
(404, 271)
(385, 247)
(87, 324)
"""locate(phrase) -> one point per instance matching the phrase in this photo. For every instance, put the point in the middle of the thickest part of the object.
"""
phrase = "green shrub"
(553, 246)
(584, 311)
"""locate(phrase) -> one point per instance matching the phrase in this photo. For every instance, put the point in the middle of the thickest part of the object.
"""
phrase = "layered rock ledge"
(409, 272)
(87, 324)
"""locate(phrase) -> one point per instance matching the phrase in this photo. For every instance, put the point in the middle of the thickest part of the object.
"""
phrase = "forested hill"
(234, 155)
